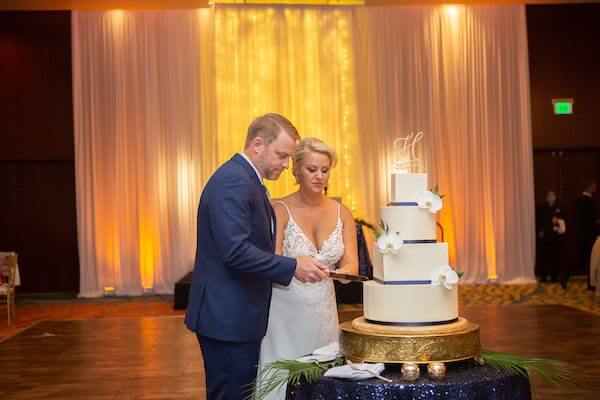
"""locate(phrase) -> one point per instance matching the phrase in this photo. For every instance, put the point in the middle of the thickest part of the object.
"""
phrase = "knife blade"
(348, 277)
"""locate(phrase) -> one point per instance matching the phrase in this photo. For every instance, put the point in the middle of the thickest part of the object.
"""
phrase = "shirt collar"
(587, 194)
(252, 165)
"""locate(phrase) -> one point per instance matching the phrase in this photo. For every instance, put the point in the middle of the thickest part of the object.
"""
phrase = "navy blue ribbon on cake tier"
(411, 323)
(419, 241)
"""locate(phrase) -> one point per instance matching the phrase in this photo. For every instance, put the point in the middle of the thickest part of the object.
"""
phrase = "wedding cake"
(413, 284)
(411, 305)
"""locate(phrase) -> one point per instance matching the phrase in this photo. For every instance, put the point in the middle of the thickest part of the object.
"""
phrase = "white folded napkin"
(322, 354)
(355, 371)
(332, 349)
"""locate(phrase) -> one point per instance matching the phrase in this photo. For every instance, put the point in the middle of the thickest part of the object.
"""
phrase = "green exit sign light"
(562, 106)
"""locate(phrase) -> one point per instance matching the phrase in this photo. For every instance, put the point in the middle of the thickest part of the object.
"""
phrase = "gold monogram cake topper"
(405, 157)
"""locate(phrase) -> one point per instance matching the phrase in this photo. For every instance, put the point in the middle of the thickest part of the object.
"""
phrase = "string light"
(295, 62)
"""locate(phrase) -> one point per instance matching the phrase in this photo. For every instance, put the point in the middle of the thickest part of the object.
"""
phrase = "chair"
(8, 265)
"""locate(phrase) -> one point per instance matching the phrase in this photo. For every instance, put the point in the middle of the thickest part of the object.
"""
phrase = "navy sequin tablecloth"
(464, 381)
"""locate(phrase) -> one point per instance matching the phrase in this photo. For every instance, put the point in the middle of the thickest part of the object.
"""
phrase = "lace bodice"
(296, 243)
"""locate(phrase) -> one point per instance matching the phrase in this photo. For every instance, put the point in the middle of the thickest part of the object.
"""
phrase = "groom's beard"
(270, 173)
(273, 174)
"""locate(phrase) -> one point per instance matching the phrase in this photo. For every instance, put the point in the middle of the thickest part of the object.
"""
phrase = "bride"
(303, 316)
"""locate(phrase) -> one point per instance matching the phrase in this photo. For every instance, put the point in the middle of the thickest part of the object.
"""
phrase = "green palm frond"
(281, 372)
(436, 191)
(554, 372)
(369, 225)
(383, 229)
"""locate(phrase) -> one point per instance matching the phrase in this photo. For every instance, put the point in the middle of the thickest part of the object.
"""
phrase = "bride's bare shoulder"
(345, 212)
(282, 205)
(333, 204)
(290, 200)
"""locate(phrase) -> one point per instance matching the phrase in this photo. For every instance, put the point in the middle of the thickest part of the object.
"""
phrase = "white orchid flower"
(389, 243)
(429, 201)
(445, 276)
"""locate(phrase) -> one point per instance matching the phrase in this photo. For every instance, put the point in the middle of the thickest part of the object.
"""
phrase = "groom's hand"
(310, 270)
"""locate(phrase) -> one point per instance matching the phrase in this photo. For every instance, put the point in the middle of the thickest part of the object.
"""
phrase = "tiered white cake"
(402, 292)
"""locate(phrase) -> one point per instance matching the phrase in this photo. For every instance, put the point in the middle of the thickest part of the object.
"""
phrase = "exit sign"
(562, 106)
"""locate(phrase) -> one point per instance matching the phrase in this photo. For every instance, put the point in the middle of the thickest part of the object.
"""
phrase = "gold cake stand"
(362, 341)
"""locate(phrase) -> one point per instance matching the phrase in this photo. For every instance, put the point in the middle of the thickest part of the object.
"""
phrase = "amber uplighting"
(109, 291)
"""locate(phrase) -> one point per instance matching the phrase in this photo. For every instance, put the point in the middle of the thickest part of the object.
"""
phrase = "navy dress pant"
(230, 367)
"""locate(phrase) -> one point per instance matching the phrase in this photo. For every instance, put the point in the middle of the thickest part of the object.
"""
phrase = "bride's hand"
(309, 269)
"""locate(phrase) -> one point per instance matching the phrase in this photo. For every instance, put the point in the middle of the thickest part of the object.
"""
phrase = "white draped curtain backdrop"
(161, 98)
(138, 115)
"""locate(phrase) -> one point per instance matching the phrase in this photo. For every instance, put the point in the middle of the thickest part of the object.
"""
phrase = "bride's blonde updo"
(308, 145)
(313, 144)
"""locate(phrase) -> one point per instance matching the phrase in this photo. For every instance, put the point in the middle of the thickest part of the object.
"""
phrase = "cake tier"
(413, 262)
(409, 305)
(405, 187)
(411, 222)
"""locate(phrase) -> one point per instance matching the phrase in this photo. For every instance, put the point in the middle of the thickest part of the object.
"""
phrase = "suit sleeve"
(230, 211)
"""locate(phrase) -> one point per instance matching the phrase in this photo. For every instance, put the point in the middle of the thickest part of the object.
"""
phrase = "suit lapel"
(274, 233)
(266, 202)
(242, 161)
(270, 212)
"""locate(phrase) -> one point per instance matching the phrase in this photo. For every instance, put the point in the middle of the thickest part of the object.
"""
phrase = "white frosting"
(411, 222)
(422, 303)
(413, 262)
(406, 186)
(409, 303)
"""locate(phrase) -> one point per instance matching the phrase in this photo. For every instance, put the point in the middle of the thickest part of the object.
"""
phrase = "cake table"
(464, 380)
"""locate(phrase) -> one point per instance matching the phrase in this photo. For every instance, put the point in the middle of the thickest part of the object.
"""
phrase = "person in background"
(585, 222)
(595, 267)
(551, 228)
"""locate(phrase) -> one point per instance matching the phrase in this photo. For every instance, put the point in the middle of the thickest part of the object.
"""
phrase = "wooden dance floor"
(157, 358)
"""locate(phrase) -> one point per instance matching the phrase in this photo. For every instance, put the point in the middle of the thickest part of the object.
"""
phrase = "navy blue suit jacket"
(235, 263)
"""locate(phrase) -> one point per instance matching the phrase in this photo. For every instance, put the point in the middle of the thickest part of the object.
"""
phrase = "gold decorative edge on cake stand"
(362, 325)
(419, 349)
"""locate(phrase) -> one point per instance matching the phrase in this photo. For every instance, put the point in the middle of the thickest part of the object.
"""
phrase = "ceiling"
(179, 4)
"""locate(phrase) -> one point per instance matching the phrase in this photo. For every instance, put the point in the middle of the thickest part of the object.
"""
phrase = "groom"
(235, 265)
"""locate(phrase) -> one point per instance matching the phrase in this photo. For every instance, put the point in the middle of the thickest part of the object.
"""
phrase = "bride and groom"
(260, 290)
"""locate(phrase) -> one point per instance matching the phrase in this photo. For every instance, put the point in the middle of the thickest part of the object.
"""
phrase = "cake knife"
(348, 277)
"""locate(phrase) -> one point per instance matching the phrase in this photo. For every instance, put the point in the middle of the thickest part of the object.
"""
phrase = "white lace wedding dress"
(303, 316)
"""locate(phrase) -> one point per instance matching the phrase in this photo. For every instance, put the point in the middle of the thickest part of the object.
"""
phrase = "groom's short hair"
(268, 127)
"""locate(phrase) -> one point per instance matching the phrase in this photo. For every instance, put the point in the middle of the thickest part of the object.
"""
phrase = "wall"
(37, 205)
(564, 61)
